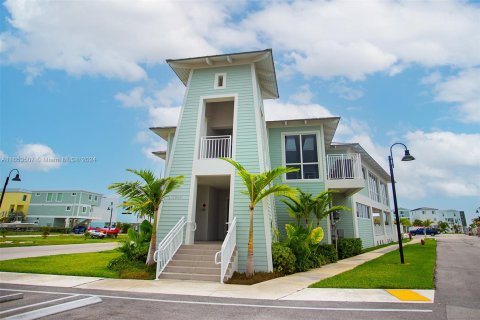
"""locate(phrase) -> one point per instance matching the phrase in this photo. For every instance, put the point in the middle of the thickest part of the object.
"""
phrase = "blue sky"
(87, 79)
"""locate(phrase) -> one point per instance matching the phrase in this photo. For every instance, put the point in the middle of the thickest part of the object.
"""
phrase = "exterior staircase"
(197, 262)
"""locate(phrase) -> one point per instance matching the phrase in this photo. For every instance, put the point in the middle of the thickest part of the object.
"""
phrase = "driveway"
(37, 251)
(458, 276)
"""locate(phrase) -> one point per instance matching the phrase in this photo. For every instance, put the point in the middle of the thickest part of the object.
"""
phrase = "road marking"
(407, 295)
(48, 311)
(37, 304)
(236, 304)
(11, 297)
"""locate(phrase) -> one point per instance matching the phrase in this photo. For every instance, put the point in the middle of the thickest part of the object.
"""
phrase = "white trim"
(190, 229)
(51, 204)
(56, 197)
(224, 82)
(46, 198)
(317, 133)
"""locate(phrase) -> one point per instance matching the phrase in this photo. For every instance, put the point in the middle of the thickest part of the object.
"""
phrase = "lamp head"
(407, 156)
(17, 177)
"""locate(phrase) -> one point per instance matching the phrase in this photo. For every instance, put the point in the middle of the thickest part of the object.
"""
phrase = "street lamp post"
(111, 213)
(406, 157)
(16, 178)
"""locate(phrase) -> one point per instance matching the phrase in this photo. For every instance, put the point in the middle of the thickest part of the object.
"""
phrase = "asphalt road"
(37, 251)
(458, 276)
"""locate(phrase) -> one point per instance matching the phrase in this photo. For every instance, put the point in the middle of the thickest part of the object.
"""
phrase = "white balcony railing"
(212, 147)
(169, 246)
(344, 166)
(228, 247)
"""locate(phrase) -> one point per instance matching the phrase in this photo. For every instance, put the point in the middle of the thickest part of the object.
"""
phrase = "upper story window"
(59, 197)
(68, 208)
(74, 194)
(364, 173)
(90, 197)
(373, 187)
(301, 153)
(220, 81)
(95, 198)
(24, 198)
(49, 197)
(37, 194)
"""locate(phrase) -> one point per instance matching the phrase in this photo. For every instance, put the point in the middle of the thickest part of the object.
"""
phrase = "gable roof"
(263, 60)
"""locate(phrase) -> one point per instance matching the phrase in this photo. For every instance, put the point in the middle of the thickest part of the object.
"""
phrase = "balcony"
(213, 147)
(344, 173)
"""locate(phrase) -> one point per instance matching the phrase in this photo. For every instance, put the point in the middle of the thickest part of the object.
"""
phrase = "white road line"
(37, 304)
(238, 304)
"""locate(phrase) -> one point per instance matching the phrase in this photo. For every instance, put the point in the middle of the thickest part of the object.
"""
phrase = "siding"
(346, 217)
(365, 232)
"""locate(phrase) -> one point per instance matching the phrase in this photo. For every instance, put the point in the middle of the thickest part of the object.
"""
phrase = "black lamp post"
(406, 157)
(111, 213)
(16, 178)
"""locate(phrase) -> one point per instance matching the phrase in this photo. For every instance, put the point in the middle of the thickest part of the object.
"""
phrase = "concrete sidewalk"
(292, 287)
(38, 251)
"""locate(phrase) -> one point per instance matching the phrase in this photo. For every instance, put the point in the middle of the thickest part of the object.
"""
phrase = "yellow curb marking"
(407, 295)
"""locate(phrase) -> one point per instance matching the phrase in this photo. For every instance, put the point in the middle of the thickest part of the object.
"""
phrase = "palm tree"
(259, 186)
(300, 206)
(145, 197)
(405, 222)
(322, 205)
(426, 224)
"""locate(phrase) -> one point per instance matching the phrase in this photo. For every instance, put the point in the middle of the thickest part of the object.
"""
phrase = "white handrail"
(228, 247)
(169, 246)
(344, 166)
(212, 147)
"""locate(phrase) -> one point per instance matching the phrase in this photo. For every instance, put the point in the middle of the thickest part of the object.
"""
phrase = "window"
(24, 197)
(220, 81)
(90, 197)
(423, 212)
(49, 197)
(68, 208)
(96, 198)
(373, 187)
(364, 173)
(387, 219)
(84, 209)
(37, 194)
(74, 194)
(301, 153)
(59, 197)
(363, 211)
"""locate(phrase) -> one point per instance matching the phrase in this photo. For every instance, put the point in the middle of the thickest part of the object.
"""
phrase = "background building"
(453, 217)
(118, 214)
(15, 205)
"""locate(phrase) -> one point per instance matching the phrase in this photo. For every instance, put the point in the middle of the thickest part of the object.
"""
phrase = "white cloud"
(276, 110)
(303, 96)
(115, 38)
(132, 99)
(37, 157)
(159, 117)
(463, 90)
(345, 91)
(432, 78)
(354, 39)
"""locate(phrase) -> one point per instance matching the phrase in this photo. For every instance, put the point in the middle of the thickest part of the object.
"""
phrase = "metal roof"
(263, 60)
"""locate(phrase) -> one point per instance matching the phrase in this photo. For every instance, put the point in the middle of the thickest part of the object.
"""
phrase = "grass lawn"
(51, 240)
(386, 272)
(384, 245)
(92, 264)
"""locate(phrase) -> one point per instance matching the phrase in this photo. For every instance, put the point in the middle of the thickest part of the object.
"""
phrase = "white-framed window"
(49, 197)
(74, 194)
(363, 211)
(220, 81)
(90, 197)
(59, 197)
(364, 173)
(301, 152)
(387, 219)
(84, 209)
(373, 187)
(95, 198)
(68, 208)
(37, 194)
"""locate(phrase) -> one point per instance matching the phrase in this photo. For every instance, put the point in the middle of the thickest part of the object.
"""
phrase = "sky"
(82, 81)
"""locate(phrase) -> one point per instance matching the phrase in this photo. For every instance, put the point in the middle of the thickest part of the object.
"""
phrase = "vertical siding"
(313, 187)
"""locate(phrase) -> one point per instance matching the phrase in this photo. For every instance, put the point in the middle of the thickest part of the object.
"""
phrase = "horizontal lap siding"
(346, 222)
(275, 146)
(365, 231)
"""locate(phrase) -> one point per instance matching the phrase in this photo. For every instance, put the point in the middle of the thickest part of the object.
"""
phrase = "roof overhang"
(263, 61)
(161, 154)
(367, 158)
(329, 124)
(163, 132)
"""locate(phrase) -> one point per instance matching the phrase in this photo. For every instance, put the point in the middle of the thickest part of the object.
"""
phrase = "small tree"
(258, 187)
(405, 222)
(300, 206)
(322, 205)
(426, 224)
(443, 226)
(145, 198)
(417, 223)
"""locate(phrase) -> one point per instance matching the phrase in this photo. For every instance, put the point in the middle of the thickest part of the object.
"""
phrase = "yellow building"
(15, 200)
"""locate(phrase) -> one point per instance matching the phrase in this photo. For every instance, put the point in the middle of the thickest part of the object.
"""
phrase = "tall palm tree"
(145, 197)
(405, 222)
(259, 186)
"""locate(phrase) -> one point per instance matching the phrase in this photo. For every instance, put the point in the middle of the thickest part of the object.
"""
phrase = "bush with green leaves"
(283, 259)
(349, 247)
(124, 227)
(45, 232)
(304, 242)
(328, 252)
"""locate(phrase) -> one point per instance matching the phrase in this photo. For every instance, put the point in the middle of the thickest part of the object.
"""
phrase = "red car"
(109, 232)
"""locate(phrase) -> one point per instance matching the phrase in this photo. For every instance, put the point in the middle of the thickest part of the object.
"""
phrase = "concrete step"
(193, 263)
(198, 251)
(192, 270)
(205, 246)
(193, 257)
(190, 276)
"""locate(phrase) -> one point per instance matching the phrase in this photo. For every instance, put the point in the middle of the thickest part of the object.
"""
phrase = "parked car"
(94, 234)
(109, 232)
(420, 231)
(79, 229)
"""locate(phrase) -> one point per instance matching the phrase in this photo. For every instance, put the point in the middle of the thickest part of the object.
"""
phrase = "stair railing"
(228, 247)
(169, 246)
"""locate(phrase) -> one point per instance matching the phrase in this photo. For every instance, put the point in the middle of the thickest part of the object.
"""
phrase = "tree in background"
(417, 223)
(426, 224)
(443, 226)
(145, 197)
(259, 186)
(405, 222)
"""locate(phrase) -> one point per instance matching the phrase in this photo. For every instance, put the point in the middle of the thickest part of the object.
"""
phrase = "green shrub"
(304, 242)
(328, 252)
(45, 232)
(124, 227)
(59, 230)
(283, 259)
(349, 247)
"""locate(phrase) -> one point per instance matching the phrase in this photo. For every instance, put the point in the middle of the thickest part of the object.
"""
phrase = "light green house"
(223, 116)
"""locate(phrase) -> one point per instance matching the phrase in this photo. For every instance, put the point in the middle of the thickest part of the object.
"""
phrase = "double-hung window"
(301, 153)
